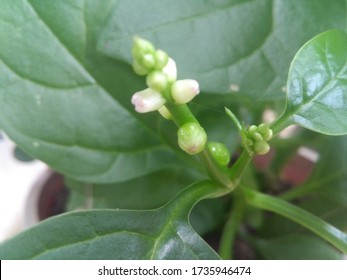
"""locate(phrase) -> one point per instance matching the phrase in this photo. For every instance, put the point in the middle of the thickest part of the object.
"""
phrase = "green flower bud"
(191, 138)
(252, 129)
(139, 69)
(257, 136)
(161, 58)
(183, 91)
(148, 61)
(219, 152)
(157, 81)
(265, 131)
(141, 47)
(261, 147)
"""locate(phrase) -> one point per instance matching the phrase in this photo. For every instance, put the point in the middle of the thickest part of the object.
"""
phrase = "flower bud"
(161, 58)
(265, 131)
(219, 152)
(139, 69)
(261, 147)
(257, 136)
(191, 138)
(157, 81)
(147, 100)
(148, 61)
(170, 70)
(141, 47)
(183, 91)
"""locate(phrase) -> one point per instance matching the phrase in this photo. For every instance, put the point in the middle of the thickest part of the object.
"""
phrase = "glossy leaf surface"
(164, 233)
(62, 102)
(234, 46)
(317, 85)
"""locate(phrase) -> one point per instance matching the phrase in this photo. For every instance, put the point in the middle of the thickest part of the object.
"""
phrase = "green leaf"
(317, 85)
(224, 44)
(63, 102)
(295, 247)
(164, 233)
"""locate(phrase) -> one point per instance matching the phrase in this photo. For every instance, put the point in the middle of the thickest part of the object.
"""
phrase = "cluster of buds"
(257, 138)
(161, 80)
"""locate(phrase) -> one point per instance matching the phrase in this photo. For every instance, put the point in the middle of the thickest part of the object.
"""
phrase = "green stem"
(215, 171)
(230, 229)
(328, 232)
(185, 200)
(239, 166)
(281, 123)
(181, 114)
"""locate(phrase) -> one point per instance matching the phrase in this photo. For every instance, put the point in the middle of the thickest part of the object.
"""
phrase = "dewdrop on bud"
(191, 138)
(170, 70)
(157, 81)
(183, 91)
(147, 100)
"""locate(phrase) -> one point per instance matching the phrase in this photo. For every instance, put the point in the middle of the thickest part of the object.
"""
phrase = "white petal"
(147, 100)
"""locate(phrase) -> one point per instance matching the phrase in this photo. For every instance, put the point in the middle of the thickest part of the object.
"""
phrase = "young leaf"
(317, 86)
(164, 233)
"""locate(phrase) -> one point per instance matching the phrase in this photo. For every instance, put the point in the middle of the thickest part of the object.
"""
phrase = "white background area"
(16, 180)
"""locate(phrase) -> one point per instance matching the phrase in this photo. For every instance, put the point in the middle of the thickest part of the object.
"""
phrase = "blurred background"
(19, 179)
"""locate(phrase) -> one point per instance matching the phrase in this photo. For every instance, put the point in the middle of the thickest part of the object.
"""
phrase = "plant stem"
(230, 229)
(215, 171)
(239, 166)
(181, 114)
(328, 232)
(191, 195)
(281, 123)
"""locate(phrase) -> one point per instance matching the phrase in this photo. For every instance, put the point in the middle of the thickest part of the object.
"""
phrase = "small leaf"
(164, 233)
(317, 85)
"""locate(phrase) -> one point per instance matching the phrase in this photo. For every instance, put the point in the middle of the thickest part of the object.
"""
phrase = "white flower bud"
(183, 91)
(147, 100)
(170, 70)
(192, 138)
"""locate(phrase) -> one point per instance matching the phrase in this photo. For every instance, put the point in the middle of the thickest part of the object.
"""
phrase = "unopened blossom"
(147, 100)
(183, 91)
(170, 70)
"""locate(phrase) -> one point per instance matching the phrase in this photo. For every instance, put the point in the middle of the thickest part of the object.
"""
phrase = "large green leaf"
(247, 44)
(317, 85)
(63, 102)
(164, 233)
